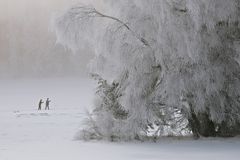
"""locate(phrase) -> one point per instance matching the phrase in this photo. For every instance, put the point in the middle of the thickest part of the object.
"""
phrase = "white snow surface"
(28, 134)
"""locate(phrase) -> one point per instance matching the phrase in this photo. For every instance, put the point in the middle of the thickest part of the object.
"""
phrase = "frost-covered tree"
(175, 66)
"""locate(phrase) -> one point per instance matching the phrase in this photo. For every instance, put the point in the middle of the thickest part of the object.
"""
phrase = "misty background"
(28, 47)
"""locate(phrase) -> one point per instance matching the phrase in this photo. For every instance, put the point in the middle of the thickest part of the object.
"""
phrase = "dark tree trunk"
(194, 124)
(207, 126)
(201, 125)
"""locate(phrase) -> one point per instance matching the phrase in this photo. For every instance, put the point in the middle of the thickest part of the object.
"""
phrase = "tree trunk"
(201, 125)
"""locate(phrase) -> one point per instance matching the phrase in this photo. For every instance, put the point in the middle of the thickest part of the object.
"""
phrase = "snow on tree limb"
(86, 13)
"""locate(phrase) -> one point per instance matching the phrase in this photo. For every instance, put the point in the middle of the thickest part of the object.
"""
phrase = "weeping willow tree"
(164, 67)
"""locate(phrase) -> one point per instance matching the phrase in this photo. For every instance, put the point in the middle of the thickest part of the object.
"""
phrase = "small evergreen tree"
(108, 113)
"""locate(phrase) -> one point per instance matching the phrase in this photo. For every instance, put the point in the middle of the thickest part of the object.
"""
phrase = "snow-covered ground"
(28, 134)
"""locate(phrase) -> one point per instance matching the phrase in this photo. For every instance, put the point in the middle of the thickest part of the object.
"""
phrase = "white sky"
(25, 39)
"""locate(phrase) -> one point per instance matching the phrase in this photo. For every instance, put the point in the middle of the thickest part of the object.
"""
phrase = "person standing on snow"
(47, 104)
(40, 104)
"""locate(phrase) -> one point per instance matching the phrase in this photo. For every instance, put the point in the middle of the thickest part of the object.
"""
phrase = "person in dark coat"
(40, 104)
(47, 104)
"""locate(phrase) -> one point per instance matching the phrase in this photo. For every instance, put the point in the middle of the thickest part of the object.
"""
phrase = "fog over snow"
(34, 66)
(27, 46)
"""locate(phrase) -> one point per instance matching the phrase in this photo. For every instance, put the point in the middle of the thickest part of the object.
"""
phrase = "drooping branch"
(85, 12)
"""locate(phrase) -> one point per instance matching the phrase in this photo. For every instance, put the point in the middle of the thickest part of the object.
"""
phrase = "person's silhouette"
(47, 104)
(40, 104)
